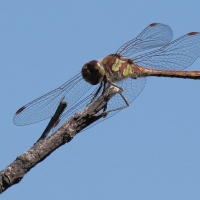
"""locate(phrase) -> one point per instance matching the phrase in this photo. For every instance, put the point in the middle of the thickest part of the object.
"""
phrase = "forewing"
(45, 106)
(78, 107)
(132, 88)
(177, 55)
(154, 35)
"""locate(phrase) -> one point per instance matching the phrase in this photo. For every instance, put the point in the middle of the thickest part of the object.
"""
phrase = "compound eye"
(93, 72)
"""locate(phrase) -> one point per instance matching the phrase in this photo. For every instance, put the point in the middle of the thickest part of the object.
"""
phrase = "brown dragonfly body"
(119, 68)
(126, 69)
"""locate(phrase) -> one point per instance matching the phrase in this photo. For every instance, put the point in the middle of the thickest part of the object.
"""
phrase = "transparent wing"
(154, 35)
(177, 55)
(45, 106)
(80, 106)
(132, 88)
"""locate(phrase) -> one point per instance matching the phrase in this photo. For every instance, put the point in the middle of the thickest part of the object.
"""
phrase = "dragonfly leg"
(116, 109)
(107, 80)
(104, 87)
(105, 107)
(120, 108)
(103, 84)
(124, 98)
(97, 92)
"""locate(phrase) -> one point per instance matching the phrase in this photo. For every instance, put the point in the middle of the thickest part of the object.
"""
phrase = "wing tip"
(192, 33)
(20, 110)
(153, 24)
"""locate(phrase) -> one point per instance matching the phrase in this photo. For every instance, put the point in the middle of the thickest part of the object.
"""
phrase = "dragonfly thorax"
(93, 72)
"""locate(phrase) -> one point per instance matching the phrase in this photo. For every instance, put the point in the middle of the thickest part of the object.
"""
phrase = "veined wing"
(76, 108)
(45, 106)
(132, 88)
(154, 35)
(177, 55)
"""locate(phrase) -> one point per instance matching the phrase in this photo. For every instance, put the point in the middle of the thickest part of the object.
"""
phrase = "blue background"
(150, 151)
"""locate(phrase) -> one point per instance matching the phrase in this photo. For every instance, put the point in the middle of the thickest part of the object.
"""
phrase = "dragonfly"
(151, 53)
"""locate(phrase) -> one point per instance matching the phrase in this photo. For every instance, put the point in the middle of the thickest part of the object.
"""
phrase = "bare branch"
(14, 173)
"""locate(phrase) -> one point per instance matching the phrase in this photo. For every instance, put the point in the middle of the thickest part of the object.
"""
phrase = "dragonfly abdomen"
(168, 73)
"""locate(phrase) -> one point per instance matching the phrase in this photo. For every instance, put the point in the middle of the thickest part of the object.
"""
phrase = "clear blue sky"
(150, 151)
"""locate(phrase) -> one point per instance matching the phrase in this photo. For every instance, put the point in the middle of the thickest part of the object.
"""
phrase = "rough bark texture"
(14, 173)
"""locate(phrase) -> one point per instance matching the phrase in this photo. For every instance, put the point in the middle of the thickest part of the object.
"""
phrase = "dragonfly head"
(93, 72)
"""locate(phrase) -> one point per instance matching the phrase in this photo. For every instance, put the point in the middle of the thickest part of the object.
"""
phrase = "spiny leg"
(97, 92)
(120, 93)
(124, 98)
